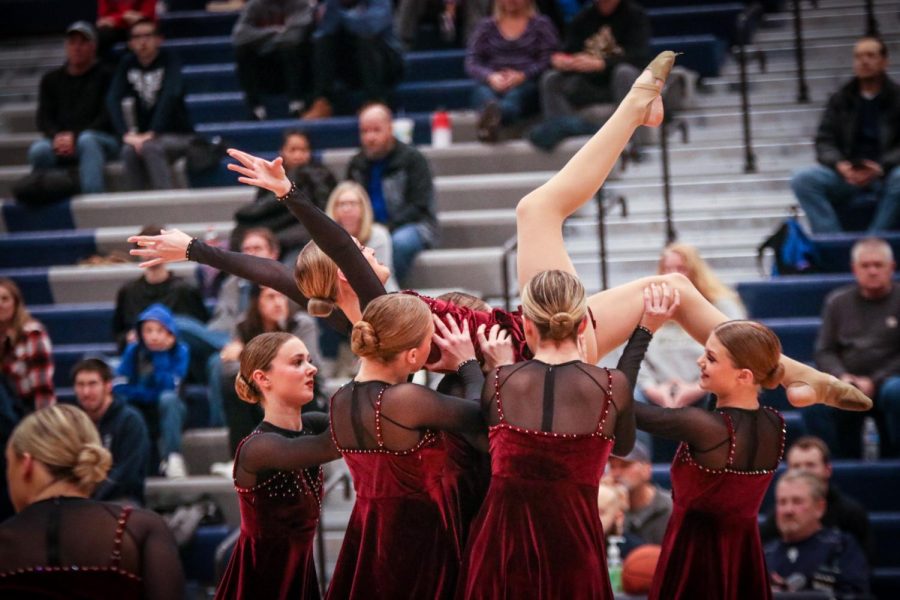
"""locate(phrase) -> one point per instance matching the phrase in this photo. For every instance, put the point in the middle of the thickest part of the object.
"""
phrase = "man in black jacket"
(857, 146)
(122, 431)
(398, 179)
(72, 112)
(146, 104)
(810, 454)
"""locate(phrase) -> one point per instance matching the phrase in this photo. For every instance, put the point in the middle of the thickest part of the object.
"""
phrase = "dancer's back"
(550, 436)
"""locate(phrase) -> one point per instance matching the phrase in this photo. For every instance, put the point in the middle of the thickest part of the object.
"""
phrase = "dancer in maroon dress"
(350, 279)
(399, 543)
(277, 475)
(553, 422)
(723, 467)
(62, 544)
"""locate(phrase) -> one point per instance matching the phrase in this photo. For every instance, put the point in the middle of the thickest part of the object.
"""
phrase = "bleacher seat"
(886, 530)
(886, 582)
(798, 336)
(719, 20)
(789, 296)
(834, 249)
(45, 249)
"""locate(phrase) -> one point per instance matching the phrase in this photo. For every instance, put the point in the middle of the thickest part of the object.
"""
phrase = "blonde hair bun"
(561, 325)
(364, 339)
(92, 465)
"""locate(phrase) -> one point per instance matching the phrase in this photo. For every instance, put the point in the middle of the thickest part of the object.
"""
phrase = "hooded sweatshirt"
(149, 373)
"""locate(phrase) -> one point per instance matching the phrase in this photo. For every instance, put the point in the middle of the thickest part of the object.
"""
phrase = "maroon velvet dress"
(398, 543)
(538, 534)
(466, 476)
(273, 557)
(712, 547)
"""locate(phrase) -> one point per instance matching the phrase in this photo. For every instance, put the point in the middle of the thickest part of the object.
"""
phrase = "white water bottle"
(614, 562)
(441, 129)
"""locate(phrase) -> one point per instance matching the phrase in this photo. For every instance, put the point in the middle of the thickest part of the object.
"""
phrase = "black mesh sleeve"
(633, 354)
(417, 407)
(702, 429)
(161, 565)
(273, 451)
(262, 271)
(334, 241)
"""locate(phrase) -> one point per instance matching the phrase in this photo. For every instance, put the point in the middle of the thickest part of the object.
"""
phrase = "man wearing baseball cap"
(649, 505)
(72, 112)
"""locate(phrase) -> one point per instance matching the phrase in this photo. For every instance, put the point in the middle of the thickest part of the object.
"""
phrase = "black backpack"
(46, 186)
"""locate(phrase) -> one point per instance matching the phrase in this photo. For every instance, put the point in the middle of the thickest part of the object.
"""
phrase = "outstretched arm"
(269, 451)
(328, 235)
(173, 245)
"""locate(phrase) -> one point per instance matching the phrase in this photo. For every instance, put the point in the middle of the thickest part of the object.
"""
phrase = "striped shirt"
(27, 365)
(489, 51)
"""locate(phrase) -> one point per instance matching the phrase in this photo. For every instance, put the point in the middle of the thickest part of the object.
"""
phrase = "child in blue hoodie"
(153, 368)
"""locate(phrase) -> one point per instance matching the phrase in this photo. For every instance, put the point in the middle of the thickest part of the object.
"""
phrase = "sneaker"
(295, 107)
(222, 469)
(320, 109)
(489, 123)
(174, 467)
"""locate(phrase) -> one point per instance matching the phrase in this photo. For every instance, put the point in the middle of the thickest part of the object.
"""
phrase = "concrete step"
(14, 148)
(476, 269)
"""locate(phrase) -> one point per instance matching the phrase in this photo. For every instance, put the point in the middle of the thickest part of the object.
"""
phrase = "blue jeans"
(205, 344)
(407, 242)
(516, 103)
(92, 150)
(820, 188)
(171, 416)
(842, 430)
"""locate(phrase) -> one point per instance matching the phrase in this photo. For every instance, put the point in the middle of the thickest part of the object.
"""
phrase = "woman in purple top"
(506, 54)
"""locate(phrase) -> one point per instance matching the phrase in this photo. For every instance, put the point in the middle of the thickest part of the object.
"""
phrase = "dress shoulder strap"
(379, 439)
(606, 401)
(732, 440)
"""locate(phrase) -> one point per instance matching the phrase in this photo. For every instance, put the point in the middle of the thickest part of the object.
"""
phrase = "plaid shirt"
(27, 366)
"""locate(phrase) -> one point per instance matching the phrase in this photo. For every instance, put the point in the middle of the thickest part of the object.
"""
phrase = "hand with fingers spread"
(497, 347)
(266, 174)
(167, 247)
(455, 344)
(660, 304)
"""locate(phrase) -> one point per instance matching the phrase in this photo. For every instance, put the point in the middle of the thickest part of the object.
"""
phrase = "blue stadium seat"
(886, 583)
(199, 555)
(76, 323)
(21, 218)
(834, 249)
(337, 132)
(715, 19)
(798, 336)
(886, 529)
(197, 23)
(34, 284)
(46, 248)
(789, 296)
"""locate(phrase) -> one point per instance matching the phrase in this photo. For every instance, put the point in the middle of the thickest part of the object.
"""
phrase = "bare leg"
(619, 309)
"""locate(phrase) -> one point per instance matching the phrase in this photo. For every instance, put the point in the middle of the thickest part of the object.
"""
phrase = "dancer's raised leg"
(540, 214)
(619, 308)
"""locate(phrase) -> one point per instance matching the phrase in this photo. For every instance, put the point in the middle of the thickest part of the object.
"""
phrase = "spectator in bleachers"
(649, 506)
(444, 13)
(810, 454)
(122, 432)
(63, 544)
(399, 182)
(156, 284)
(146, 104)
(506, 55)
(857, 146)
(115, 18)
(269, 311)
(808, 555)
(354, 41)
(669, 376)
(612, 502)
(153, 368)
(72, 112)
(859, 342)
(270, 34)
(26, 357)
(309, 175)
(606, 46)
(350, 207)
